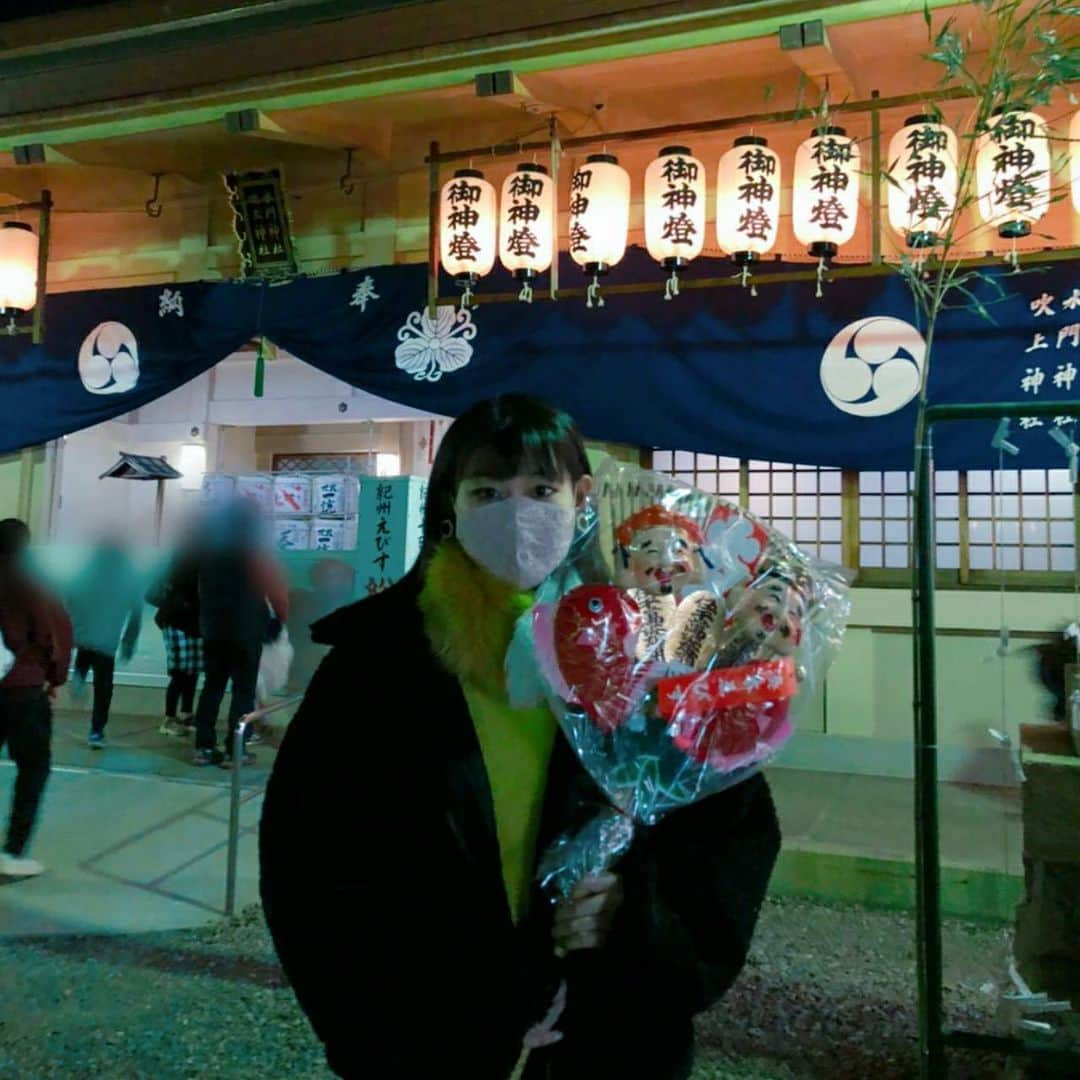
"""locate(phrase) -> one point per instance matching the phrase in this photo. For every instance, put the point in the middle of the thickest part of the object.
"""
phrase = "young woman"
(409, 803)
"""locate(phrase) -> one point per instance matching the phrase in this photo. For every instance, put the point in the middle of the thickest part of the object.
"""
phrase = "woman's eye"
(484, 494)
(544, 491)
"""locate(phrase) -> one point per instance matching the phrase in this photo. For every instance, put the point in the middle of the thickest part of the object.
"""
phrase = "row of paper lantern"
(1012, 178)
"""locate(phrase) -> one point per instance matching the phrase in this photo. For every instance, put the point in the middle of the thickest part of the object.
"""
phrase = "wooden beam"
(38, 154)
(373, 142)
(255, 124)
(814, 57)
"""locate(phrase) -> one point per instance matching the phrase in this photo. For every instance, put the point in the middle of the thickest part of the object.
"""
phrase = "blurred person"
(333, 586)
(243, 603)
(37, 632)
(106, 604)
(176, 597)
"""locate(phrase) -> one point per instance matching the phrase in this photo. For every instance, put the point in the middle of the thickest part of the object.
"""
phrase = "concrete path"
(135, 837)
(129, 853)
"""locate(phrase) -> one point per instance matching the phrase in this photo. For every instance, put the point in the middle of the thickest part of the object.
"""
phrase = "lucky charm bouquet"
(674, 646)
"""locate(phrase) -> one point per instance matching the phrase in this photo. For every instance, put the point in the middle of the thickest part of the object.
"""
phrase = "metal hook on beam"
(345, 183)
(153, 204)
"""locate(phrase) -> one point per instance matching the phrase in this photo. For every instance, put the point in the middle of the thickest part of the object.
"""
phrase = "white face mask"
(518, 540)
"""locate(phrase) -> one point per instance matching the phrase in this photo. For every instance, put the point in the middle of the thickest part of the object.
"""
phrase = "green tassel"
(260, 368)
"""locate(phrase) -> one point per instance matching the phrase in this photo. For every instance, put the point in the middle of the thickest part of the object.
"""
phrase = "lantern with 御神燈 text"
(599, 217)
(674, 211)
(1012, 172)
(527, 224)
(825, 196)
(924, 180)
(748, 200)
(18, 267)
(467, 223)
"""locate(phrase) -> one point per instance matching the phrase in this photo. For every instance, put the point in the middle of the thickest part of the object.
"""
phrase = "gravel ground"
(827, 993)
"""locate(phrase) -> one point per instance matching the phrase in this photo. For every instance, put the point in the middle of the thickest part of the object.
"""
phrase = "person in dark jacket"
(408, 804)
(243, 595)
(36, 634)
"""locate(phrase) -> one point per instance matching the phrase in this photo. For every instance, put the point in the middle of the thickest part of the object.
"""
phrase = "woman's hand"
(584, 921)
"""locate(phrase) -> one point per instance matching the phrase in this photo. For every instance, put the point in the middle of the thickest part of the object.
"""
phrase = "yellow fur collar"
(469, 617)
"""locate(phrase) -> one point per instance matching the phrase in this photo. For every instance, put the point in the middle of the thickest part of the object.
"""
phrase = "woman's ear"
(581, 490)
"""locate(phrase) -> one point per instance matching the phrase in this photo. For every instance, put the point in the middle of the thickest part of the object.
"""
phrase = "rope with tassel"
(594, 299)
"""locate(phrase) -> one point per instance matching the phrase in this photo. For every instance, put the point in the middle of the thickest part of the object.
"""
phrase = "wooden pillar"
(26, 484)
(433, 229)
(44, 231)
(159, 510)
(875, 181)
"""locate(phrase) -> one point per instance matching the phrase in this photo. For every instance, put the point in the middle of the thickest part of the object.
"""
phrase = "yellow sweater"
(469, 617)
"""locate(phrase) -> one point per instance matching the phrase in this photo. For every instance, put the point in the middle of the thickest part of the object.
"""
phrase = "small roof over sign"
(141, 467)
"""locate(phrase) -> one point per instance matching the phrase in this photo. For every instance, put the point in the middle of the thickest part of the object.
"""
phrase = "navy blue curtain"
(782, 376)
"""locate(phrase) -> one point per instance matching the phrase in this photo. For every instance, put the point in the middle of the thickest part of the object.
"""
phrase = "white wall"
(89, 506)
(218, 408)
(294, 393)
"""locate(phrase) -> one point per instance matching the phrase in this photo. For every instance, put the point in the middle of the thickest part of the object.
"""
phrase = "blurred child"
(106, 603)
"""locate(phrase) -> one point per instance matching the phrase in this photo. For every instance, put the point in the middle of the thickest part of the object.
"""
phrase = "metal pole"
(556, 152)
(234, 814)
(932, 1037)
(875, 180)
(239, 734)
(927, 857)
(433, 229)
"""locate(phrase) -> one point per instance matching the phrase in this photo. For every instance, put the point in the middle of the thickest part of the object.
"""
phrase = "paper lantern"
(527, 223)
(675, 207)
(599, 213)
(1012, 172)
(923, 166)
(467, 223)
(1074, 156)
(18, 267)
(825, 196)
(748, 199)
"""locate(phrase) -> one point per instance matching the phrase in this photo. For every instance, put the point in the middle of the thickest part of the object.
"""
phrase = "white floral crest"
(431, 347)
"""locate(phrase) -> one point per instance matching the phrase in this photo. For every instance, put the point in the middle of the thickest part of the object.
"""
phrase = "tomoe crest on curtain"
(432, 347)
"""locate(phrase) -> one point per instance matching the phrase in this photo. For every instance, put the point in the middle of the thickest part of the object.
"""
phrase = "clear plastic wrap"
(671, 646)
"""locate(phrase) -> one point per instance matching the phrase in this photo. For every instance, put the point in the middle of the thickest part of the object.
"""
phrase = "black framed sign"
(261, 222)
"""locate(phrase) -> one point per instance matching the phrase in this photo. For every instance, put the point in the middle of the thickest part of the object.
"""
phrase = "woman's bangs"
(516, 453)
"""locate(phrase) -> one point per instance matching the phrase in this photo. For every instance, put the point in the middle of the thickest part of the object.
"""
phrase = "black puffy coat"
(382, 886)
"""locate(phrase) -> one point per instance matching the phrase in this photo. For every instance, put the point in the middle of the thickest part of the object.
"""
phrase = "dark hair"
(14, 537)
(515, 433)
